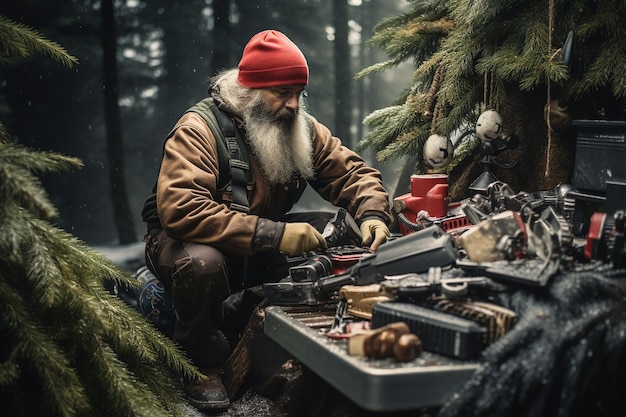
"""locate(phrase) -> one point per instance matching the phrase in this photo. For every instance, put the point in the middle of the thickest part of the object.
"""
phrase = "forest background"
(141, 64)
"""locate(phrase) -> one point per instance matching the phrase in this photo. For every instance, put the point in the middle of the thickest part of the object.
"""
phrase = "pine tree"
(69, 347)
(473, 55)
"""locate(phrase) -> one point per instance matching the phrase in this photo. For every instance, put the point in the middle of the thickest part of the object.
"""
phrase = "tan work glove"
(375, 232)
(299, 238)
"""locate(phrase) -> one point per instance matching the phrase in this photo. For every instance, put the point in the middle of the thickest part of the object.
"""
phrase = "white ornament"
(489, 125)
(438, 151)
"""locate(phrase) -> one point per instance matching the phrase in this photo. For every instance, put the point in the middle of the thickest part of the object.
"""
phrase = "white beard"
(280, 143)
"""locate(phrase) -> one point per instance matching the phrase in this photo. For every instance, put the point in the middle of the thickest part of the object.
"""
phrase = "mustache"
(286, 114)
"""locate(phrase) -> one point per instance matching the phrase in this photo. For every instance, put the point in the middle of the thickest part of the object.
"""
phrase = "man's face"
(283, 101)
(278, 133)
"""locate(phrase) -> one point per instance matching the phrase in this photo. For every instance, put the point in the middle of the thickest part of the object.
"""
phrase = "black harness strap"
(238, 167)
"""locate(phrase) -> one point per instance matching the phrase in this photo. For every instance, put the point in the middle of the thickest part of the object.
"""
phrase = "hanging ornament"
(438, 151)
(489, 125)
(490, 131)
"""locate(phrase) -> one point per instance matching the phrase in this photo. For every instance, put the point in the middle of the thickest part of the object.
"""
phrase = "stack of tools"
(460, 329)
(438, 311)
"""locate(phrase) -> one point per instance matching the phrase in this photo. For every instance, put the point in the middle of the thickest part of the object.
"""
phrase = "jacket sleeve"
(187, 189)
(345, 180)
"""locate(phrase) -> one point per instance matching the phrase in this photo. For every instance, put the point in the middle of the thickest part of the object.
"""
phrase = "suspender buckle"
(238, 163)
(239, 207)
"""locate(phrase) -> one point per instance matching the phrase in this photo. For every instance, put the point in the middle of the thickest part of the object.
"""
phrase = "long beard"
(280, 142)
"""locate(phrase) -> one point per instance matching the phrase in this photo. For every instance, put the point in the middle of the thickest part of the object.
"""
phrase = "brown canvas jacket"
(190, 207)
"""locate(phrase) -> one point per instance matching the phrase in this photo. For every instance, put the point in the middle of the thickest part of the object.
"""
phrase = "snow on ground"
(128, 257)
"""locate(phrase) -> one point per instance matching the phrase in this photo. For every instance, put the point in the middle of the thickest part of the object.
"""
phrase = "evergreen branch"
(401, 140)
(19, 41)
(9, 367)
(464, 149)
(62, 389)
(479, 13)
(501, 41)
(36, 161)
(381, 66)
(68, 344)
(97, 309)
(93, 307)
(418, 38)
(162, 383)
(388, 123)
(119, 392)
(19, 187)
(83, 261)
(607, 21)
(606, 69)
(461, 114)
(50, 251)
(128, 331)
(43, 275)
(4, 134)
(428, 67)
(400, 148)
(130, 328)
(131, 337)
(404, 18)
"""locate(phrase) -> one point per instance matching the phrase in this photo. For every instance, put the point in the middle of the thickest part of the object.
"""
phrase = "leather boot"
(209, 394)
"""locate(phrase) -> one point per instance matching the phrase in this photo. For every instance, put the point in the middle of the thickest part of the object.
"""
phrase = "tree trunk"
(115, 149)
(185, 80)
(364, 14)
(343, 73)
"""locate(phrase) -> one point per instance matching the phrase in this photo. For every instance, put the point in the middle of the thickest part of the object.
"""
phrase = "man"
(201, 246)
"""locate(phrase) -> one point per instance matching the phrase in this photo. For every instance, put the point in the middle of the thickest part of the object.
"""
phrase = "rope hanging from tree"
(488, 88)
(549, 92)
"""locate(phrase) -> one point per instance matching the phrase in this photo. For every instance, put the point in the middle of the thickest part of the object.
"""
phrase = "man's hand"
(375, 232)
(299, 238)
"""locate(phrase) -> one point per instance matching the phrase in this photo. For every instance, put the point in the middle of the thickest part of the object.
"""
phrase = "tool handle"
(323, 287)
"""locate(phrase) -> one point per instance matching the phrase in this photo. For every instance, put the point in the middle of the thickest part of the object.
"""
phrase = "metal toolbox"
(373, 384)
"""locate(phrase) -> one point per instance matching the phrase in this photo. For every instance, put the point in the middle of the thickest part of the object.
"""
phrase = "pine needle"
(20, 41)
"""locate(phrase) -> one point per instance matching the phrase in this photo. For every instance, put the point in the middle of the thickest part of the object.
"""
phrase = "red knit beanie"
(271, 59)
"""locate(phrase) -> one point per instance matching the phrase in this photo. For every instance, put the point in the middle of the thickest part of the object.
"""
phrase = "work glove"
(299, 238)
(375, 232)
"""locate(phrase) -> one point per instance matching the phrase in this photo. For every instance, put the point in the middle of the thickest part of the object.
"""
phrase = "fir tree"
(505, 55)
(69, 347)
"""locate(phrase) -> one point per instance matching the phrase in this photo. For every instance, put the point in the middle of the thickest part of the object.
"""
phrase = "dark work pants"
(201, 278)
